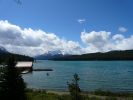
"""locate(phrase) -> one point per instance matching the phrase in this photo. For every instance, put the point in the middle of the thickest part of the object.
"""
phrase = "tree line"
(112, 55)
(4, 57)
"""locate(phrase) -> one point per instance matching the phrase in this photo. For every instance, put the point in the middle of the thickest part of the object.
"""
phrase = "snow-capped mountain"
(50, 55)
(56, 52)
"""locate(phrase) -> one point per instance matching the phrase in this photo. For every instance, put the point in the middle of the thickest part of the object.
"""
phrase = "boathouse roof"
(24, 64)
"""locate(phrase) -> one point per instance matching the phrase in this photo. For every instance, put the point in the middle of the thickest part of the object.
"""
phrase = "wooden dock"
(46, 69)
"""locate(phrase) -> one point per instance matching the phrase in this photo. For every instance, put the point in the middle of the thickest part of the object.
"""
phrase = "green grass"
(116, 94)
(46, 96)
(43, 95)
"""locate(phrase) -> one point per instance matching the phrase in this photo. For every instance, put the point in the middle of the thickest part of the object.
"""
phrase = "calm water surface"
(105, 75)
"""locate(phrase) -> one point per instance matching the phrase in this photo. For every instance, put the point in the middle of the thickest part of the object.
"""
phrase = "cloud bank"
(103, 41)
(35, 42)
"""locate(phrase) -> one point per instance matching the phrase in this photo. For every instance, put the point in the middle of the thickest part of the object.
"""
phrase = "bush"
(74, 88)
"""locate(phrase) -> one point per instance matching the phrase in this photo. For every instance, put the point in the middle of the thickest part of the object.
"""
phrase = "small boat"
(24, 72)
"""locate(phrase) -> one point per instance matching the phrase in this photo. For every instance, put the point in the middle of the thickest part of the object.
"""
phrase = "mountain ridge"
(111, 55)
(4, 55)
(49, 55)
(106, 56)
(3, 50)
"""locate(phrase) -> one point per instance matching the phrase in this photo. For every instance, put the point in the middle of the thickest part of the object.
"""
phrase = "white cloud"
(81, 20)
(96, 40)
(124, 44)
(122, 29)
(102, 41)
(32, 42)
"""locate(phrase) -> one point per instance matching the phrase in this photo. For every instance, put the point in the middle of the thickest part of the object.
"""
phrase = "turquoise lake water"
(104, 75)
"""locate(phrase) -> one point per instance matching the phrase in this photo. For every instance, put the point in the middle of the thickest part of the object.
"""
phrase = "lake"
(105, 75)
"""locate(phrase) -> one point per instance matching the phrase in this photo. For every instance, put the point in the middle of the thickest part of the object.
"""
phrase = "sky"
(34, 27)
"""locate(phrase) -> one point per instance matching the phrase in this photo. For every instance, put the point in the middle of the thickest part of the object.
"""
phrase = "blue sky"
(61, 16)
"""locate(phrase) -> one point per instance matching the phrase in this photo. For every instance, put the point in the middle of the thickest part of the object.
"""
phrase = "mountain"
(111, 55)
(50, 55)
(3, 50)
(4, 55)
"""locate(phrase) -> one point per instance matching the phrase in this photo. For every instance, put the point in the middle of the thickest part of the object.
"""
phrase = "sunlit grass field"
(100, 95)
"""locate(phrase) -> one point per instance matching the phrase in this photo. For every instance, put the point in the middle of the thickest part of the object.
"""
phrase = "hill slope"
(112, 55)
(3, 50)
(4, 55)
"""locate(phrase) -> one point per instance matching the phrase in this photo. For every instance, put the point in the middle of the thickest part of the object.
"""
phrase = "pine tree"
(12, 86)
(74, 88)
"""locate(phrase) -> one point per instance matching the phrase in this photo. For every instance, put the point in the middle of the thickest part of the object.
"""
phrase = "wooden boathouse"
(24, 66)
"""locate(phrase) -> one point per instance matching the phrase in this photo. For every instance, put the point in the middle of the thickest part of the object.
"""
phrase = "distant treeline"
(4, 57)
(112, 55)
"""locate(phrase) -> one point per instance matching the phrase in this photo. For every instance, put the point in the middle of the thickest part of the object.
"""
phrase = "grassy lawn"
(46, 96)
(42, 95)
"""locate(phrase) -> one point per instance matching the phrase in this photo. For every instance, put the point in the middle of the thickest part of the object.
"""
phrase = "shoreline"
(96, 92)
(84, 91)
